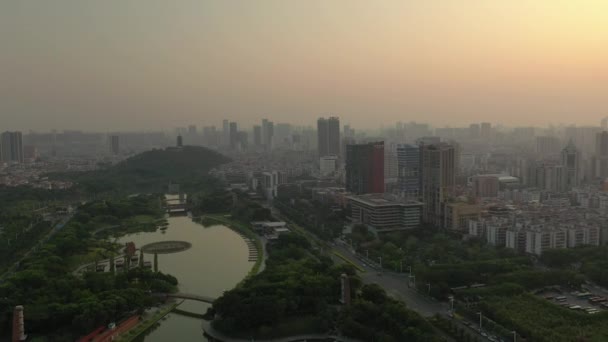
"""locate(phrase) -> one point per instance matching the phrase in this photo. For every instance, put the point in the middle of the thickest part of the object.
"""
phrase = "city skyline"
(344, 170)
(147, 65)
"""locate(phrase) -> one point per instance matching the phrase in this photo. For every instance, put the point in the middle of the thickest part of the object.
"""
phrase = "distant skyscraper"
(601, 155)
(474, 131)
(30, 152)
(486, 130)
(605, 123)
(180, 141)
(547, 145)
(438, 165)
(225, 133)
(192, 130)
(349, 132)
(571, 159)
(391, 167)
(328, 136)
(551, 176)
(428, 140)
(11, 147)
(257, 135)
(365, 168)
(282, 134)
(114, 143)
(408, 161)
(267, 134)
(243, 140)
(233, 135)
(210, 136)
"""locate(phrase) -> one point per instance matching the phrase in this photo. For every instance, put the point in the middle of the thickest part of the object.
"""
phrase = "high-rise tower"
(365, 168)
(233, 135)
(601, 155)
(267, 134)
(225, 133)
(408, 163)
(571, 159)
(11, 149)
(257, 135)
(328, 136)
(438, 165)
(114, 144)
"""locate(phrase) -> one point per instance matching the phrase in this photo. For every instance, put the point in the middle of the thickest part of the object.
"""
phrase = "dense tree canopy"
(62, 305)
(151, 171)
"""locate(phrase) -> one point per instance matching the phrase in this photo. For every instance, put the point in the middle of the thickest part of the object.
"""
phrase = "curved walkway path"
(216, 335)
(83, 267)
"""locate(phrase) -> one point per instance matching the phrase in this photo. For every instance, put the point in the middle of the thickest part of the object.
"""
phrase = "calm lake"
(217, 261)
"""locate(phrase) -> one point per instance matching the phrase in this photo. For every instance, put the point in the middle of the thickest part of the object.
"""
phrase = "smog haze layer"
(149, 64)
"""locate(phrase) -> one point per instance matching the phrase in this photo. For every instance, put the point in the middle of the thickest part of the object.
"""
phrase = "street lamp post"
(410, 267)
(514, 336)
(480, 315)
(380, 258)
(429, 285)
(400, 266)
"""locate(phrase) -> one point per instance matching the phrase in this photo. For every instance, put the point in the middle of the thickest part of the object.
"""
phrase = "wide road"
(394, 284)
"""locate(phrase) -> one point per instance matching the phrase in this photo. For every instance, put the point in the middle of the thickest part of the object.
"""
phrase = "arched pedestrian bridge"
(190, 296)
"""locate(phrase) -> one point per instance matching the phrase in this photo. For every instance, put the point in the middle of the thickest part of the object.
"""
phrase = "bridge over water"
(190, 296)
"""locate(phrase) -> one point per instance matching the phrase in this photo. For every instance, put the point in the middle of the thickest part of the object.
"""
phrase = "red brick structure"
(111, 334)
(130, 249)
(18, 327)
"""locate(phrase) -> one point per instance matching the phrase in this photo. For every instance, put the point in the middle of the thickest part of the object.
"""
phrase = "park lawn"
(540, 320)
(140, 219)
(99, 252)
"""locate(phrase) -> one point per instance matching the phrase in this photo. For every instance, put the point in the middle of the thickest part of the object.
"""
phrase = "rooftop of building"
(380, 200)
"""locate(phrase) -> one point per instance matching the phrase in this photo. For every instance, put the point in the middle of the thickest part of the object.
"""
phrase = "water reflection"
(216, 262)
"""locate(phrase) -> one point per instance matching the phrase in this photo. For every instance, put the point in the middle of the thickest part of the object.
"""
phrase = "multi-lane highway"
(395, 284)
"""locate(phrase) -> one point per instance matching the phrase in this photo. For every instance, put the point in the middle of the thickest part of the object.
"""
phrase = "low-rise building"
(538, 241)
(384, 212)
(271, 230)
(583, 236)
(485, 186)
(457, 215)
(496, 232)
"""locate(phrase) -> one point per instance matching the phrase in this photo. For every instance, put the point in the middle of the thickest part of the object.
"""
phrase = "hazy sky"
(126, 64)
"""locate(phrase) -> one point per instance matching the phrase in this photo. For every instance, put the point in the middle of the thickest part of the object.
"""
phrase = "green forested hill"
(151, 171)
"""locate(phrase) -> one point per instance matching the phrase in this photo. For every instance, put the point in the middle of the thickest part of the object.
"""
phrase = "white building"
(583, 236)
(384, 213)
(270, 183)
(476, 228)
(328, 165)
(496, 233)
(541, 240)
